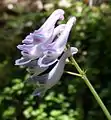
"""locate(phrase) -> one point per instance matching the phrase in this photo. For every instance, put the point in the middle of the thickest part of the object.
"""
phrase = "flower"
(32, 45)
(43, 50)
(50, 79)
(54, 49)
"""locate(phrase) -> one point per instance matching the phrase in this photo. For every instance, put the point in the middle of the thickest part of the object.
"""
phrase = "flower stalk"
(71, 73)
(96, 96)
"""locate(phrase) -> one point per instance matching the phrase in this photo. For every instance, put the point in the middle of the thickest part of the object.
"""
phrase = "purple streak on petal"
(38, 37)
(45, 32)
(31, 47)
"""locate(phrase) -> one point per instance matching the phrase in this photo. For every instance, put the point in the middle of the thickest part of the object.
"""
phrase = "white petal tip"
(59, 11)
(74, 50)
(22, 61)
(73, 19)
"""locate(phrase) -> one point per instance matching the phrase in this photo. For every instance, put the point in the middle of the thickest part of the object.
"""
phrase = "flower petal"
(46, 61)
(31, 51)
(50, 22)
(45, 32)
(34, 42)
(50, 79)
(39, 92)
(22, 61)
(62, 40)
(58, 30)
(40, 79)
(34, 68)
(25, 47)
(49, 58)
(57, 46)
(56, 73)
(28, 39)
(73, 50)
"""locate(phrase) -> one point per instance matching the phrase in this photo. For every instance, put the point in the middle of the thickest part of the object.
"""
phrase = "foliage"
(70, 99)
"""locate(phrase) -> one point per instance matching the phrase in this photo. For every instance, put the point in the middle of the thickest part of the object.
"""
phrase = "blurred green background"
(70, 99)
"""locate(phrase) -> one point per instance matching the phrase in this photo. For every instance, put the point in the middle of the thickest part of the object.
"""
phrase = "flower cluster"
(44, 48)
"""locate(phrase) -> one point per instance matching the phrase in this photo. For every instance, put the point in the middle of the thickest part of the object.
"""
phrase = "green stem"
(71, 73)
(98, 99)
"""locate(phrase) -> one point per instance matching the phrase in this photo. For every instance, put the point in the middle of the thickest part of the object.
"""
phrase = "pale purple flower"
(50, 79)
(44, 49)
(32, 45)
(53, 50)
